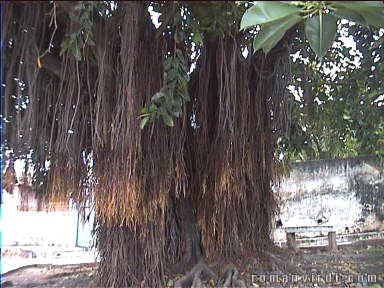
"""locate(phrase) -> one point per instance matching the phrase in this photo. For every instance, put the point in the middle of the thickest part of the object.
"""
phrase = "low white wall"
(36, 228)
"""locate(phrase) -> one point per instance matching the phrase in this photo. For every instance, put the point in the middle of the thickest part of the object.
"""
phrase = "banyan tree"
(164, 116)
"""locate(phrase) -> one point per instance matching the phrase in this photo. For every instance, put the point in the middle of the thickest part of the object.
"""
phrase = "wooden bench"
(291, 235)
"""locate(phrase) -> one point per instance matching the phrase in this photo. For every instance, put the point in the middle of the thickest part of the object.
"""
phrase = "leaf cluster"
(169, 101)
(320, 20)
(346, 117)
(82, 35)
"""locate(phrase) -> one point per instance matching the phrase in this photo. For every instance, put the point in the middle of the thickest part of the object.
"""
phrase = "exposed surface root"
(195, 277)
(232, 279)
(276, 262)
(202, 273)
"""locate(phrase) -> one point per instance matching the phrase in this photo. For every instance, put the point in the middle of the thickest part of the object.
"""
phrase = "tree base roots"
(202, 273)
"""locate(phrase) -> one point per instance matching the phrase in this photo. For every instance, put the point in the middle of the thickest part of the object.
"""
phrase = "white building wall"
(36, 227)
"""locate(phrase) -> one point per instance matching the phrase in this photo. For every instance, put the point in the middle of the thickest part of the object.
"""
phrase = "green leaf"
(374, 18)
(168, 120)
(350, 15)
(91, 42)
(169, 100)
(358, 5)
(197, 38)
(77, 53)
(175, 113)
(320, 31)
(78, 7)
(265, 12)
(271, 33)
(186, 96)
(157, 96)
(372, 12)
(179, 55)
(153, 108)
(144, 122)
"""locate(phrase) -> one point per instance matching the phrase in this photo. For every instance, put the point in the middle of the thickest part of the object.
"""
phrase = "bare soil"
(351, 263)
(358, 265)
(52, 276)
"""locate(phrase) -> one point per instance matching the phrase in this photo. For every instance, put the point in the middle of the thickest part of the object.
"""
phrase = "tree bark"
(193, 251)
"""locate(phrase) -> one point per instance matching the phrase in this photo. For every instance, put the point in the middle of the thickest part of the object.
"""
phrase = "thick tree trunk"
(123, 250)
(193, 246)
(183, 235)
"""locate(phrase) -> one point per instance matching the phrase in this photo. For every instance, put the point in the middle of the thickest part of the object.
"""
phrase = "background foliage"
(338, 107)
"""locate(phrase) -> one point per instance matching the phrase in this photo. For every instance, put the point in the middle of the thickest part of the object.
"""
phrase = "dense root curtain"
(137, 171)
(76, 113)
(47, 99)
(234, 145)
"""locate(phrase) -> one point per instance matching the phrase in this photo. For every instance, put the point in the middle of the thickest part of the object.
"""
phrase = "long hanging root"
(195, 277)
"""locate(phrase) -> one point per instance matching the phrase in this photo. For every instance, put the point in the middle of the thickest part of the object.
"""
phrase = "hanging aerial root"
(234, 148)
(131, 198)
(129, 258)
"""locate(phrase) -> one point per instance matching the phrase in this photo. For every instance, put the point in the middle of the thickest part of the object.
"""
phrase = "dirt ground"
(52, 276)
(357, 265)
